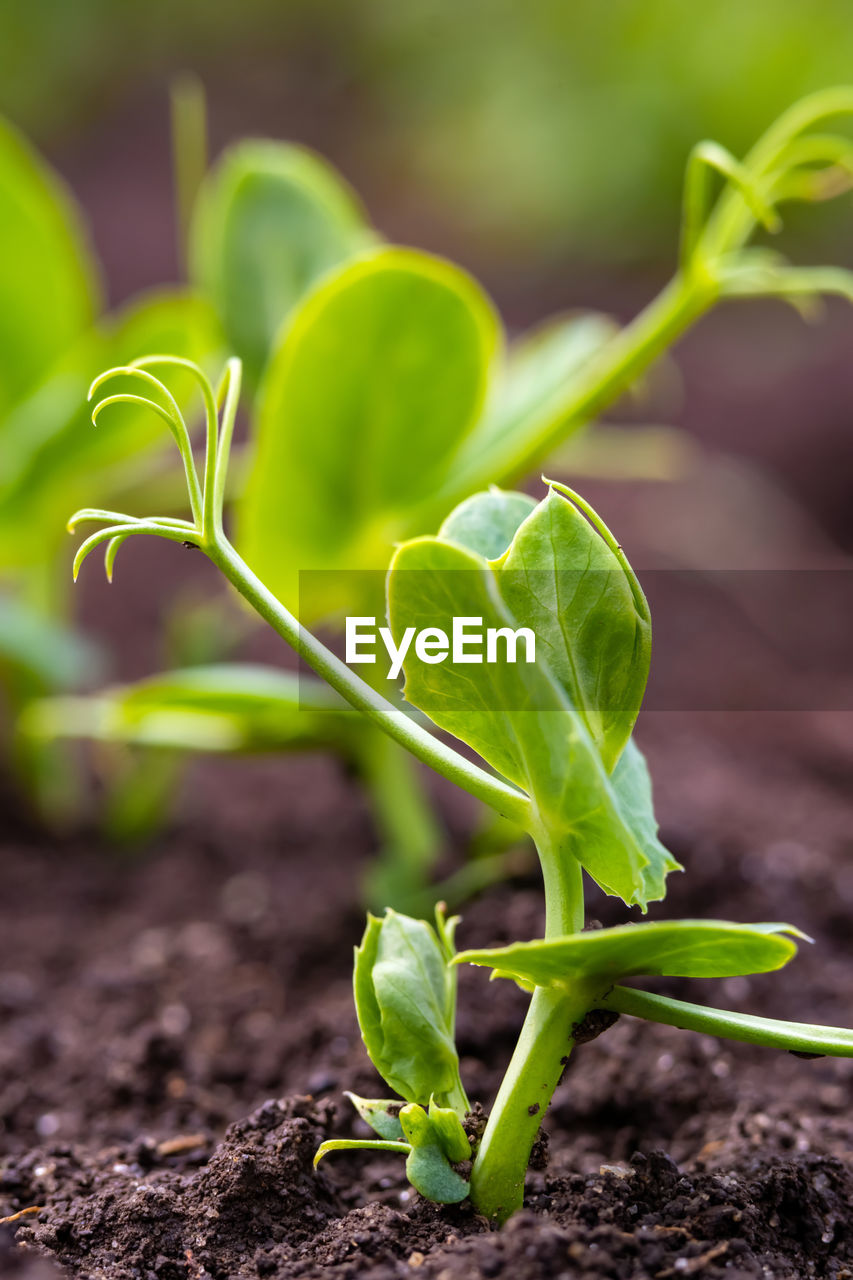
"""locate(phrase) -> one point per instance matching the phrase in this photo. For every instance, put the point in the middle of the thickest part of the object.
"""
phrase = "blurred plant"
(556, 737)
(386, 399)
(395, 88)
(52, 340)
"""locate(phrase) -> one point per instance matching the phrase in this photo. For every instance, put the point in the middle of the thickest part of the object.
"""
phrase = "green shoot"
(554, 733)
(344, 468)
(560, 761)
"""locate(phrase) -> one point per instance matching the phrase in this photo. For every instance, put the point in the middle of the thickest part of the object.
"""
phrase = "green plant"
(555, 735)
(53, 339)
(424, 407)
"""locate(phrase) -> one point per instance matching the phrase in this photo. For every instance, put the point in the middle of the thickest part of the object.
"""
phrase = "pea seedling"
(556, 735)
(345, 467)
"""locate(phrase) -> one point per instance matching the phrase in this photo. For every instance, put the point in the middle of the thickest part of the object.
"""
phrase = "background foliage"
(559, 128)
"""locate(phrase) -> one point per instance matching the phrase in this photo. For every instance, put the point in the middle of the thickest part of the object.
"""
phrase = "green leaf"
(235, 707)
(405, 1010)
(381, 373)
(487, 522)
(48, 284)
(430, 1141)
(519, 718)
(632, 788)
(447, 1126)
(672, 948)
(429, 1172)
(567, 579)
(383, 1115)
(271, 219)
(428, 1164)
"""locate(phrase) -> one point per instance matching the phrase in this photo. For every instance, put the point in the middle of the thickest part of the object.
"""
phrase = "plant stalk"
(540, 1056)
(501, 796)
(410, 834)
(616, 367)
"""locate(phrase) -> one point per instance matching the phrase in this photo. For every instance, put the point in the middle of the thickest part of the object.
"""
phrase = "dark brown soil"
(149, 1006)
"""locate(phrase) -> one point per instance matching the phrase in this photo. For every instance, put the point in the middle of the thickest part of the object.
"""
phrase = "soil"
(177, 1031)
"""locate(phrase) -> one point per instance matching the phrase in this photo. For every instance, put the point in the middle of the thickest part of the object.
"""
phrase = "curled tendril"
(206, 497)
(793, 161)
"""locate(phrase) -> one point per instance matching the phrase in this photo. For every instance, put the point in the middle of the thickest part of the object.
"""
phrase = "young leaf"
(430, 1142)
(383, 1116)
(429, 1172)
(271, 219)
(568, 581)
(448, 1128)
(487, 522)
(427, 1165)
(405, 1010)
(671, 948)
(341, 459)
(519, 718)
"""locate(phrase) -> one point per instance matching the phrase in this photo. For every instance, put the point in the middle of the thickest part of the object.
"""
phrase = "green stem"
(616, 367)
(189, 152)
(502, 796)
(795, 1037)
(540, 1056)
(731, 223)
(411, 836)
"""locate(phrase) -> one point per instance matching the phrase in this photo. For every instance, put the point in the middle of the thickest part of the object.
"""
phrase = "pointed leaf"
(574, 588)
(518, 716)
(632, 790)
(672, 948)
(383, 1115)
(405, 1011)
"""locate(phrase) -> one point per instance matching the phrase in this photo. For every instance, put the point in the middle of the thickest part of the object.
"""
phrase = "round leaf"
(271, 219)
(382, 372)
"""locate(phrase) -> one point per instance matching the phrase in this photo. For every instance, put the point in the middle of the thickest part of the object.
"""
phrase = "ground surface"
(163, 1021)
